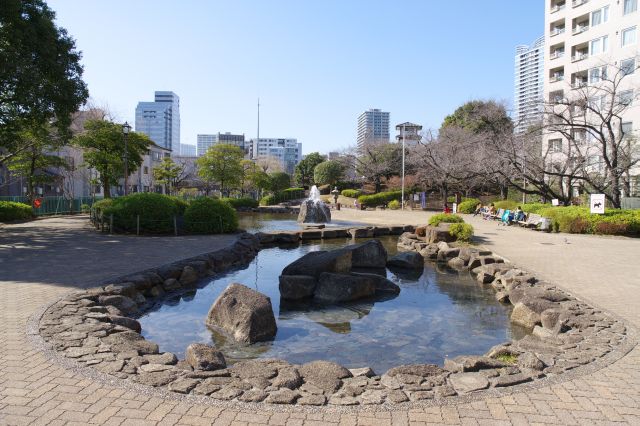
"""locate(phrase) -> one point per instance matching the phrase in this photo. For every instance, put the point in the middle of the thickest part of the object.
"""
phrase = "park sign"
(597, 203)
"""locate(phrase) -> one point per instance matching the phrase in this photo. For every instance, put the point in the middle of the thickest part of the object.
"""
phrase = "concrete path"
(41, 260)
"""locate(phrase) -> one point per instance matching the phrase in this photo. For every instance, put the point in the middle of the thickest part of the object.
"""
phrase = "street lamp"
(125, 133)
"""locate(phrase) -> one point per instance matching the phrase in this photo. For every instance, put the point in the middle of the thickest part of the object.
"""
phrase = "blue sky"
(316, 65)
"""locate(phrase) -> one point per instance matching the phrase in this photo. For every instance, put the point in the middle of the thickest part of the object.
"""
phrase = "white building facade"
(204, 142)
(288, 152)
(373, 128)
(589, 44)
(529, 84)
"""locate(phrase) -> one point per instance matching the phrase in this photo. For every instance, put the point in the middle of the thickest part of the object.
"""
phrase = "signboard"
(455, 208)
(555, 202)
(597, 203)
(416, 197)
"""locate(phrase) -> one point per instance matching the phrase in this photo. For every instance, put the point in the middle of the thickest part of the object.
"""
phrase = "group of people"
(488, 212)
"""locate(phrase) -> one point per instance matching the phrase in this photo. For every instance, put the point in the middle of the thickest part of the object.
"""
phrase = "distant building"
(187, 150)
(160, 120)
(529, 84)
(373, 128)
(410, 132)
(288, 152)
(204, 142)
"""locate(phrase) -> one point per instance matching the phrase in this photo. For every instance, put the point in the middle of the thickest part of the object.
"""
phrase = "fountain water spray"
(313, 209)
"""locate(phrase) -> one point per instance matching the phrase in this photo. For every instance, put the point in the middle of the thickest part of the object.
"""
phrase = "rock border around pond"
(97, 328)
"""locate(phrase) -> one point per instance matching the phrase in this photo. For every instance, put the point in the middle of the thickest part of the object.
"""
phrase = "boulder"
(422, 370)
(361, 232)
(295, 287)
(531, 361)
(332, 288)
(472, 363)
(244, 313)
(127, 322)
(430, 252)
(445, 254)
(204, 357)
(524, 316)
(381, 283)
(456, 263)
(440, 233)
(370, 254)
(188, 276)
(407, 260)
(314, 212)
(122, 303)
(551, 317)
(130, 341)
(317, 262)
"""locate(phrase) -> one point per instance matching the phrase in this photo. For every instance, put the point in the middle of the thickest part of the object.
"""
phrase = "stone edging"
(165, 370)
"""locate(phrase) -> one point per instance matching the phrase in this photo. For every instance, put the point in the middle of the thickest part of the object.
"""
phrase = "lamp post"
(125, 133)
(404, 130)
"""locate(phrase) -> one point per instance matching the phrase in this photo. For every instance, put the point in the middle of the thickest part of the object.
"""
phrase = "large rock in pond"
(314, 212)
(370, 254)
(407, 260)
(244, 313)
(317, 262)
(204, 357)
(296, 287)
(332, 288)
(436, 234)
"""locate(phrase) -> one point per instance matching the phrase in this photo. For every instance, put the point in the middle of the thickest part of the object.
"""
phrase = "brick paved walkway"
(42, 260)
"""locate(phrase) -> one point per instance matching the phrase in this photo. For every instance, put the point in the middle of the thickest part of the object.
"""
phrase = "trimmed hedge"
(11, 210)
(461, 231)
(268, 200)
(435, 220)
(579, 220)
(534, 207)
(241, 203)
(379, 199)
(468, 205)
(394, 204)
(209, 216)
(279, 197)
(156, 212)
(506, 204)
(181, 204)
(351, 193)
(101, 205)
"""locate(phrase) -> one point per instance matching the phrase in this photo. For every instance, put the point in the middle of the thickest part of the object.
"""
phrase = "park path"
(42, 260)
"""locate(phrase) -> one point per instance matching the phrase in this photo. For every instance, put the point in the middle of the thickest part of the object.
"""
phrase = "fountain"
(313, 209)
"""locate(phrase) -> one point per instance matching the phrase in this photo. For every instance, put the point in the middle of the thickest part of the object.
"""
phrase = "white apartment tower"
(529, 84)
(587, 44)
(373, 128)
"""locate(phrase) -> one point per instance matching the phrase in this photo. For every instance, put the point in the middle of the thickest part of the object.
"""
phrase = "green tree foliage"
(328, 173)
(303, 175)
(32, 162)
(40, 74)
(480, 116)
(167, 174)
(222, 164)
(104, 151)
(279, 181)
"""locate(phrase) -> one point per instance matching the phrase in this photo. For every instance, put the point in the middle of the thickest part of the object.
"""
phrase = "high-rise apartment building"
(204, 142)
(160, 120)
(288, 152)
(373, 128)
(529, 84)
(589, 44)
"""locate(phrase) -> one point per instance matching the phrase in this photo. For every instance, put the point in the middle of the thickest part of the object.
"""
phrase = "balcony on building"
(556, 74)
(579, 79)
(556, 28)
(580, 52)
(557, 51)
(557, 5)
(579, 136)
(580, 24)
(578, 3)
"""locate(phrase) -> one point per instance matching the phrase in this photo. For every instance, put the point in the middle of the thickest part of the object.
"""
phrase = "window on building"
(626, 128)
(597, 74)
(598, 103)
(146, 170)
(599, 45)
(629, 36)
(628, 66)
(630, 6)
(635, 186)
(625, 97)
(599, 16)
(555, 145)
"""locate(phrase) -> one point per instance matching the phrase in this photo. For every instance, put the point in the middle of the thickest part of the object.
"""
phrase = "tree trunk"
(504, 191)
(445, 196)
(106, 187)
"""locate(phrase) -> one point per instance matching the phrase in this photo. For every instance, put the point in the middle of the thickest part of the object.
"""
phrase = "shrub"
(351, 193)
(579, 220)
(268, 200)
(209, 216)
(241, 203)
(394, 204)
(468, 205)
(85, 208)
(435, 220)
(506, 204)
(533, 207)
(181, 205)
(10, 210)
(99, 206)
(156, 212)
(379, 199)
(461, 231)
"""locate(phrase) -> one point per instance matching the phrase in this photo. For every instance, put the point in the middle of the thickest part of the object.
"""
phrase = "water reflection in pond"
(439, 313)
(266, 222)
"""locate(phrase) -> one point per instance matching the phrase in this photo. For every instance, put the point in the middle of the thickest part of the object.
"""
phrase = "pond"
(267, 222)
(439, 313)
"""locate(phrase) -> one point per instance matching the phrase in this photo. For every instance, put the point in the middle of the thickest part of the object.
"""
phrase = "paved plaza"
(44, 259)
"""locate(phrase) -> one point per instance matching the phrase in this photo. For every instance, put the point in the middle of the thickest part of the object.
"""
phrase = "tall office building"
(160, 120)
(187, 150)
(288, 152)
(529, 84)
(204, 142)
(373, 128)
(587, 44)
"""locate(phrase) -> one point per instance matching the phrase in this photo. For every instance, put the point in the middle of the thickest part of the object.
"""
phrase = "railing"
(579, 57)
(55, 205)
(579, 84)
(558, 7)
(556, 55)
(556, 78)
(580, 29)
(171, 225)
(556, 31)
(576, 3)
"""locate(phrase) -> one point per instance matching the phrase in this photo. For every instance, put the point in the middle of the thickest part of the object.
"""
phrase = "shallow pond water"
(439, 313)
(267, 222)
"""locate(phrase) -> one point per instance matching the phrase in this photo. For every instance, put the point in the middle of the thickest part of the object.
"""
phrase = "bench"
(498, 216)
(532, 221)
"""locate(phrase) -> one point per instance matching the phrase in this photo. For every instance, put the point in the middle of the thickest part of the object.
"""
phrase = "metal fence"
(55, 205)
